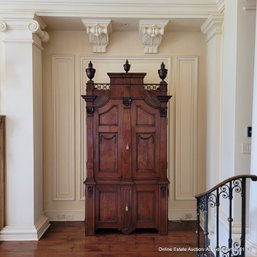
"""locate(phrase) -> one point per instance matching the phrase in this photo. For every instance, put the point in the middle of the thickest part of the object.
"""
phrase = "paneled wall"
(65, 58)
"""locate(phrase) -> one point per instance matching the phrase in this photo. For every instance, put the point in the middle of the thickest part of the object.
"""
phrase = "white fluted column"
(21, 82)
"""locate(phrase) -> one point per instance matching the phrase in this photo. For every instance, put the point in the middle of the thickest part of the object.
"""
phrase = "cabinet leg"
(163, 219)
(90, 211)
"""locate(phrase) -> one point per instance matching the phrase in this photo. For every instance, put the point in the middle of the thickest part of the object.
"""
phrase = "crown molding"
(213, 26)
(151, 32)
(98, 31)
(91, 9)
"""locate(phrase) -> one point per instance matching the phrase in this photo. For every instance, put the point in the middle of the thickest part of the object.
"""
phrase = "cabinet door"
(146, 206)
(108, 206)
(145, 133)
(107, 140)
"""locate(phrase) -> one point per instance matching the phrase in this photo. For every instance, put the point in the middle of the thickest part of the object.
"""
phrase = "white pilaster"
(22, 83)
(212, 28)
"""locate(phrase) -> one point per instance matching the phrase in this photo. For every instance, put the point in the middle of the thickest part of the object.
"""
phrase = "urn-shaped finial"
(90, 71)
(162, 72)
(126, 66)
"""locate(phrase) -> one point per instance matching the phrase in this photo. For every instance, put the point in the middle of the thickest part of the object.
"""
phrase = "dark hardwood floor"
(67, 239)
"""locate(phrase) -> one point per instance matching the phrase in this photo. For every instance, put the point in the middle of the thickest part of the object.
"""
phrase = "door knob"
(127, 147)
(126, 207)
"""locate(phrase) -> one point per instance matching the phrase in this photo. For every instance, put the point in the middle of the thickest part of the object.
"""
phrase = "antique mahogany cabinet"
(126, 185)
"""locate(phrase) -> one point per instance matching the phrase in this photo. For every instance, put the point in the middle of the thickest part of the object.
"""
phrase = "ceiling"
(122, 24)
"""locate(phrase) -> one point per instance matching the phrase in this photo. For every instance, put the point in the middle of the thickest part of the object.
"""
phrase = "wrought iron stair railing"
(212, 199)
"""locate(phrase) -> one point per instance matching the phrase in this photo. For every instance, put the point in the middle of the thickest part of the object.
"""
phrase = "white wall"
(64, 60)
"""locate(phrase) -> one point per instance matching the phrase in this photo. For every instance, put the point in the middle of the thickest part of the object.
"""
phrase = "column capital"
(35, 27)
(21, 29)
(213, 26)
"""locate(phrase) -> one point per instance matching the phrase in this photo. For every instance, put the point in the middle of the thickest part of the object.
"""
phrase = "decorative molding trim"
(63, 99)
(213, 26)
(98, 32)
(186, 143)
(151, 32)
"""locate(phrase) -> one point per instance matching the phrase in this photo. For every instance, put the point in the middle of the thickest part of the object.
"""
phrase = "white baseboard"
(25, 233)
(42, 225)
(182, 214)
(78, 215)
(65, 215)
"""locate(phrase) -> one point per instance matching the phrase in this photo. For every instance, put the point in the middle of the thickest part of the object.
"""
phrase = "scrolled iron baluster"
(206, 231)
(237, 185)
(198, 227)
(243, 215)
(230, 219)
(217, 223)
(212, 200)
(224, 191)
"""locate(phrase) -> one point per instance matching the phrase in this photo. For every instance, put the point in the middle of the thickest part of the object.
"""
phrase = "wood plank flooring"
(67, 239)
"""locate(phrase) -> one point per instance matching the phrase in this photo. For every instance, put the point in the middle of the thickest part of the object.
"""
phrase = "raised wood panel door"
(145, 139)
(108, 140)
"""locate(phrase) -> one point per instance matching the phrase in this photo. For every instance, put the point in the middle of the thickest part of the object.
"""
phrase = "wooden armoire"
(126, 185)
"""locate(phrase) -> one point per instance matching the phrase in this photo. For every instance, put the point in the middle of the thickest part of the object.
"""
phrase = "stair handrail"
(224, 189)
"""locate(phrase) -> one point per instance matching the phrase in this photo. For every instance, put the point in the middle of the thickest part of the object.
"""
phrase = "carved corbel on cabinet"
(151, 33)
(98, 32)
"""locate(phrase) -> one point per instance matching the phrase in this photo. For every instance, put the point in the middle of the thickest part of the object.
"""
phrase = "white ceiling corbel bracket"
(151, 33)
(98, 32)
